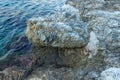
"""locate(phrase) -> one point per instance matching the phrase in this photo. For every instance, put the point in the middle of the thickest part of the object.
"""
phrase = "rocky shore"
(80, 41)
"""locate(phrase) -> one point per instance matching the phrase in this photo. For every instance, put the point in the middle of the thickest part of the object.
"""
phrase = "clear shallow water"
(13, 19)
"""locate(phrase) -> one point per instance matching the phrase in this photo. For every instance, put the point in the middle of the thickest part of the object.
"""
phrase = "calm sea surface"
(13, 19)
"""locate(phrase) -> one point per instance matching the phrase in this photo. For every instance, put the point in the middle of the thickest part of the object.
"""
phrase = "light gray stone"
(93, 44)
(111, 74)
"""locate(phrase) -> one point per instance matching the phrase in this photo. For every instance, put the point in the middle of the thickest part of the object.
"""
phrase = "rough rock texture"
(103, 18)
(113, 60)
(52, 74)
(64, 73)
(86, 6)
(107, 30)
(77, 42)
(62, 29)
(110, 74)
(59, 74)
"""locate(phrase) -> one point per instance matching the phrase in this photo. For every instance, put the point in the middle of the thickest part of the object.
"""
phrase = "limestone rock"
(62, 29)
(111, 74)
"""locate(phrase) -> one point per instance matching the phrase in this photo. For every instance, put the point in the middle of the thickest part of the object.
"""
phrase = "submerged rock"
(64, 29)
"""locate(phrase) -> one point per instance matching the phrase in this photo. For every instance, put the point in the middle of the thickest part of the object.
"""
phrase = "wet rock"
(62, 29)
(110, 74)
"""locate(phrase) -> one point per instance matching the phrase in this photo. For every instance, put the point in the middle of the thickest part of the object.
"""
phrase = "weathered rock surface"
(110, 74)
(113, 60)
(103, 17)
(107, 31)
(63, 73)
(52, 74)
(64, 29)
(94, 6)
(66, 48)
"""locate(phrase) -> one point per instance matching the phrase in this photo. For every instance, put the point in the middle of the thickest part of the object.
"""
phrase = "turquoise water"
(13, 21)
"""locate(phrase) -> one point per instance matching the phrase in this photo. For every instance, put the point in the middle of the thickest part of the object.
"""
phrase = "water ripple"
(13, 17)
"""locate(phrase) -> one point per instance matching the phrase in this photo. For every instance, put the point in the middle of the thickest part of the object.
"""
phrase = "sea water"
(14, 15)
